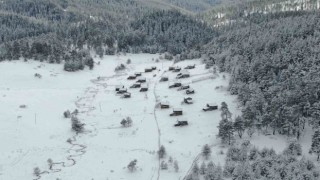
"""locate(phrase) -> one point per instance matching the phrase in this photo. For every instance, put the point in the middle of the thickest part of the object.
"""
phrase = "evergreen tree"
(226, 131)
(202, 169)
(206, 151)
(239, 126)
(315, 146)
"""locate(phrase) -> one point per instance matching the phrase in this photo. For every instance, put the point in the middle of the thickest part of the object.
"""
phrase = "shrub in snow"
(37, 75)
(120, 67)
(170, 160)
(76, 125)
(67, 114)
(164, 165)
(36, 171)
(176, 166)
(69, 141)
(50, 163)
(157, 60)
(132, 165)
(206, 151)
(75, 112)
(162, 152)
(23, 106)
(129, 61)
(127, 122)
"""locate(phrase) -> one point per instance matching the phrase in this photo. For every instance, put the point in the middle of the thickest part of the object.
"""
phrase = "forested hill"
(274, 61)
(56, 30)
(226, 14)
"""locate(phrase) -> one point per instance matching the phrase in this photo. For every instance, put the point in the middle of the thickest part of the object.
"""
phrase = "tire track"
(77, 149)
(156, 120)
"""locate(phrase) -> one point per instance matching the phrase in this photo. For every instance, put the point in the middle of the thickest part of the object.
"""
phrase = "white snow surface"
(30, 136)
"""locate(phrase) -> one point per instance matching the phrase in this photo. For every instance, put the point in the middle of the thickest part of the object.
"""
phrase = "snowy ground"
(30, 136)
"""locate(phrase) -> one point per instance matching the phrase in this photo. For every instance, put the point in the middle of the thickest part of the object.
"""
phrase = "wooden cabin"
(190, 91)
(122, 90)
(176, 112)
(175, 84)
(135, 85)
(148, 70)
(190, 67)
(164, 105)
(144, 88)
(126, 95)
(188, 100)
(119, 87)
(142, 80)
(164, 78)
(177, 69)
(181, 123)
(183, 87)
(210, 107)
(131, 77)
(183, 74)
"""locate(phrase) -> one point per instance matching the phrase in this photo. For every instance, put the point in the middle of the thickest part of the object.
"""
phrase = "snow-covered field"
(30, 136)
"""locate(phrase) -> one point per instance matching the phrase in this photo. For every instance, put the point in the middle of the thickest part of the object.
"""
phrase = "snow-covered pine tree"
(239, 126)
(226, 131)
(203, 168)
(315, 146)
(206, 151)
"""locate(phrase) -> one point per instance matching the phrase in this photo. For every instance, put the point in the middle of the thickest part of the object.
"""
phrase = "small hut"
(148, 70)
(175, 84)
(183, 87)
(190, 66)
(190, 91)
(177, 69)
(135, 85)
(131, 77)
(144, 88)
(210, 107)
(188, 100)
(164, 105)
(176, 112)
(142, 80)
(122, 91)
(181, 123)
(126, 95)
(119, 87)
(137, 74)
(164, 78)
